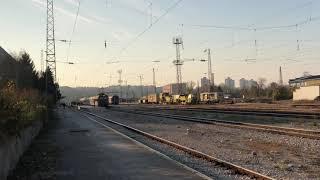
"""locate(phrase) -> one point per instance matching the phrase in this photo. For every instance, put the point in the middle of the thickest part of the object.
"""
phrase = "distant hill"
(74, 94)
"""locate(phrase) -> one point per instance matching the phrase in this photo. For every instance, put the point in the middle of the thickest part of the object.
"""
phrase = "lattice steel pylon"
(50, 44)
(280, 77)
(178, 63)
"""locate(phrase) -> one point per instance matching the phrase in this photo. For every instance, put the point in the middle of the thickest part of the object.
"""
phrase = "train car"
(153, 98)
(192, 99)
(175, 99)
(103, 100)
(211, 97)
(183, 98)
(165, 98)
(114, 100)
(143, 100)
(93, 101)
(84, 101)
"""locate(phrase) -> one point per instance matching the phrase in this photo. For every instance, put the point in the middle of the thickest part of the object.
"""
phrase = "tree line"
(260, 90)
(25, 93)
(28, 78)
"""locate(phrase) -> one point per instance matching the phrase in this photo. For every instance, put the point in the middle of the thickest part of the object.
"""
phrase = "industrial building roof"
(4, 55)
(303, 78)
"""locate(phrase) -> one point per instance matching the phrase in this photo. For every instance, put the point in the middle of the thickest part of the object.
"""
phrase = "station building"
(306, 88)
(305, 81)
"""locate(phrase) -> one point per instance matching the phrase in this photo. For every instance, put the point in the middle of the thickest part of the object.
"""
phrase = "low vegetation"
(261, 91)
(24, 98)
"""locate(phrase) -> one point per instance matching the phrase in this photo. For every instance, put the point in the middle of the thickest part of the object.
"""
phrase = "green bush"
(18, 108)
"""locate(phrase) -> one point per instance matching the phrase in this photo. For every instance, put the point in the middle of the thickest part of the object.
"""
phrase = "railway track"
(246, 112)
(195, 153)
(258, 127)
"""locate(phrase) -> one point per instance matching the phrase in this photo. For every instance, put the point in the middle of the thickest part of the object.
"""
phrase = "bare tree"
(190, 86)
(261, 85)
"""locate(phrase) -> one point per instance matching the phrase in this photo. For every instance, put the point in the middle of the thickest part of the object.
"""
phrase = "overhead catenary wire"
(151, 25)
(73, 29)
(287, 26)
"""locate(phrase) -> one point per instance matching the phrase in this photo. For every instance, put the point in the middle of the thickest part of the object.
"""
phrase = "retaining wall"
(13, 148)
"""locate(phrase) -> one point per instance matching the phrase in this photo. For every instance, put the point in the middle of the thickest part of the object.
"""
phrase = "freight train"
(101, 100)
(114, 100)
(166, 98)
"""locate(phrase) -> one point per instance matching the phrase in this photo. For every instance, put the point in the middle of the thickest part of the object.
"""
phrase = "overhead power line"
(73, 30)
(288, 26)
(149, 27)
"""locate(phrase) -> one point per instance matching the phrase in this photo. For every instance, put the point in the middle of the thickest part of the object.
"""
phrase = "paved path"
(91, 152)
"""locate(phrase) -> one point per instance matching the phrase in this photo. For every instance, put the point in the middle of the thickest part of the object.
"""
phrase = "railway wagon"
(192, 99)
(84, 101)
(93, 100)
(103, 100)
(183, 99)
(165, 98)
(175, 99)
(143, 100)
(114, 100)
(153, 98)
(211, 97)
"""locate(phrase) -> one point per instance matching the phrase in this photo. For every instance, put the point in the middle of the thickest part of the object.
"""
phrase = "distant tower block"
(280, 76)
(50, 43)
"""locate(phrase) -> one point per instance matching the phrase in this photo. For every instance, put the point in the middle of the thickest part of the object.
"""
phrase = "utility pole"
(110, 78)
(178, 63)
(154, 81)
(141, 78)
(120, 82)
(50, 43)
(41, 61)
(127, 89)
(210, 74)
(198, 91)
(75, 81)
(280, 77)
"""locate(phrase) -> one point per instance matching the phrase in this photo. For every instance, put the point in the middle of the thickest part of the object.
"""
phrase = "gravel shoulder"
(275, 107)
(312, 124)
(279, 156)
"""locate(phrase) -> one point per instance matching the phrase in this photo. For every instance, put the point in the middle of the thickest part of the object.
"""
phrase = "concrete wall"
(306, 93)
(174, 88)
(12, 149)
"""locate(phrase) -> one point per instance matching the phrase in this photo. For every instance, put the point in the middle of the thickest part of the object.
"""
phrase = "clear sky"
(23, 27)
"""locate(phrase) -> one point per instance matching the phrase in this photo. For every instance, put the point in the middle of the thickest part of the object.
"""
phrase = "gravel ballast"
(278, 156)
(291, 122)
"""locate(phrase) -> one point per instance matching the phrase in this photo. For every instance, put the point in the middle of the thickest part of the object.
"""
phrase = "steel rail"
(236, 168)
(310, 134)
(309, 115)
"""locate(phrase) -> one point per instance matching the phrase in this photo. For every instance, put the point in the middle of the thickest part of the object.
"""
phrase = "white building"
(306, 93)
(307, 87)
(247, 84)
(229, 83)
